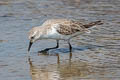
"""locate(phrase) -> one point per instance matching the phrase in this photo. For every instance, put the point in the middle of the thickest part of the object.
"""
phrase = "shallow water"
(95, 56)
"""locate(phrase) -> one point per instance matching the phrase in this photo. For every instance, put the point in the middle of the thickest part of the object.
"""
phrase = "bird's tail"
(93, 24)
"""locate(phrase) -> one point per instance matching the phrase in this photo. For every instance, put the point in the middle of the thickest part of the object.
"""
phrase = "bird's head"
(33, 36)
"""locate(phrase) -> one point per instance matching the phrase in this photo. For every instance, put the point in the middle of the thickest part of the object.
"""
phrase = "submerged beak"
(30, 44)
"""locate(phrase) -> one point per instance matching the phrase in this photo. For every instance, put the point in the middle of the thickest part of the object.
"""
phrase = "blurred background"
(95, 56)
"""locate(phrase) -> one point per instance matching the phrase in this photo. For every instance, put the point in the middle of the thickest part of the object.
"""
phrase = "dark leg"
(70, 47)
(45, 50)
(53, 47)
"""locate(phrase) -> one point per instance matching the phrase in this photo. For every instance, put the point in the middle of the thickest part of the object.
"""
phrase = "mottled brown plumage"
(75, 26)
(93, 24)
(59, 29)
(72, 28)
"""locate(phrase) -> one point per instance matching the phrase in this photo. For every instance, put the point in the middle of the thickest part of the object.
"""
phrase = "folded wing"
(71, 28)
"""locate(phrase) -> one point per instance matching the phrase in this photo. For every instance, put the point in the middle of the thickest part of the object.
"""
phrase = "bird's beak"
(30, 44)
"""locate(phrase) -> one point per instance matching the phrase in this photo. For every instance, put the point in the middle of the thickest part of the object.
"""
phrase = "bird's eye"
(32, 37)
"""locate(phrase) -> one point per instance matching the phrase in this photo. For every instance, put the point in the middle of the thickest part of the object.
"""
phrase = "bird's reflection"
(60, 71)
(46, 53)
(43, 72)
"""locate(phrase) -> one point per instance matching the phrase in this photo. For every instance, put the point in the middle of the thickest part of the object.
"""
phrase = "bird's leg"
(70, 47)
(53, 47)
(45, 50)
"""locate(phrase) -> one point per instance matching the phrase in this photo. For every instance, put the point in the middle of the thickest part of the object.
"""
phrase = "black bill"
(30, 44)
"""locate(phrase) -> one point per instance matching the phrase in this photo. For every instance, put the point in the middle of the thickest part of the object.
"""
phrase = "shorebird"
(59, 29)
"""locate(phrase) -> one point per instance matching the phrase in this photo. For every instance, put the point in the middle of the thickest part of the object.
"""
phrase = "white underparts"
(87, 31)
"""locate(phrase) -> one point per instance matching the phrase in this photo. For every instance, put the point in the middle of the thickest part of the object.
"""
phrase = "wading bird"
(59, 29)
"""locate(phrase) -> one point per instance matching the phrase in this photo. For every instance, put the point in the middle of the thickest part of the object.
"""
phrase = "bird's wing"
(71, 28)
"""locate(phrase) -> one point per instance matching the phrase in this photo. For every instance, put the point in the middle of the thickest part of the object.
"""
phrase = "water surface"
(95, 56)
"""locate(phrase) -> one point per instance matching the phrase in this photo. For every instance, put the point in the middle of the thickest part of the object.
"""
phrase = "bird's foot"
(45, 52)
